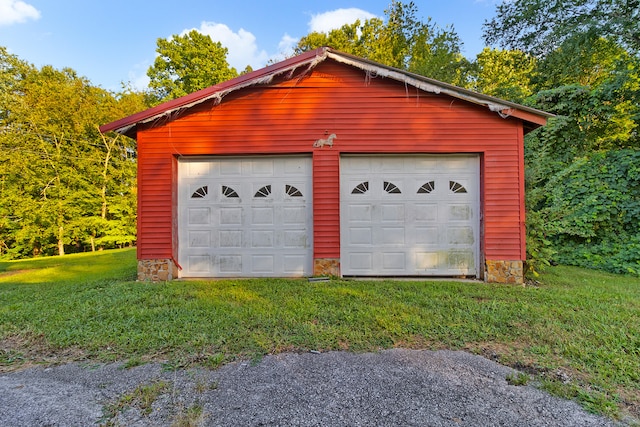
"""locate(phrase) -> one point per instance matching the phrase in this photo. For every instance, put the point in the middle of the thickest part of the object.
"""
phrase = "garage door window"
(292, 191)
(263, 192)
(361, 188)
(229, 192)
(456, 187)
(201, 192)
(427, 187)
(391, 188)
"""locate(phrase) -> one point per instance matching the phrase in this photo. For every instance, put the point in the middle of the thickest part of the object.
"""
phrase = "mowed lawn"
(576, 332)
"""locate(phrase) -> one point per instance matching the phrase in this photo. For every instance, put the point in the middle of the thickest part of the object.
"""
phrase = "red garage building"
(330, 164)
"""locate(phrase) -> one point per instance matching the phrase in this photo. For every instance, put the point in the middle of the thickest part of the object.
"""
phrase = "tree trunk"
(60, 241)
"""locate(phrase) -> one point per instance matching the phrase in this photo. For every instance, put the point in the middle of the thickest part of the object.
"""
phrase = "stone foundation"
(157, 270)
(326, 267)
(505, 272)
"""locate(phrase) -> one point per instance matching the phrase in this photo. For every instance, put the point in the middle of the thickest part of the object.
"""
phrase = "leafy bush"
(539, 248)
(593, 208)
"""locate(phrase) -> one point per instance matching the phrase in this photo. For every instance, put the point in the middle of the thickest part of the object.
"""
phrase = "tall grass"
(578, 332)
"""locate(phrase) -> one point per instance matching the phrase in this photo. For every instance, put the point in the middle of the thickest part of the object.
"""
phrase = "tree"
(581, 170)
(403, 42)
(186, 64)
(350, 38)
(63, 185)
(506, 74)
(437, 54)
(588, 64)
(588, 54)
(542, 26)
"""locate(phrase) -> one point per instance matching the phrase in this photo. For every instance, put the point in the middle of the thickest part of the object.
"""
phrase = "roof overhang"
(532, 118)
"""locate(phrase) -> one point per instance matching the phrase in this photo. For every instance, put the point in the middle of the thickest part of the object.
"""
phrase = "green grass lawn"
(577, 333)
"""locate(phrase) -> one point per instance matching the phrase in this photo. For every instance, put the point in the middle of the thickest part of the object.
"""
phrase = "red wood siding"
(326, 203)
(369, 115)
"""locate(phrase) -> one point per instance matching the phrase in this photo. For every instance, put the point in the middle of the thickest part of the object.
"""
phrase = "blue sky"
(114, 41)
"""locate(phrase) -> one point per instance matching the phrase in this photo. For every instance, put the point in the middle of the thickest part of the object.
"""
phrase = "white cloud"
(138, 78)
(14, 11)
(242, 46)
(327, 21)
(285, 48)
(287, 43)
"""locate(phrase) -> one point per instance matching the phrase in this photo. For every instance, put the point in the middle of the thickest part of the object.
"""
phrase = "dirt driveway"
(390, 388)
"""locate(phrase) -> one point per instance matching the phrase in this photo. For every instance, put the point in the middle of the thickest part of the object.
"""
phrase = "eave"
(531, 117)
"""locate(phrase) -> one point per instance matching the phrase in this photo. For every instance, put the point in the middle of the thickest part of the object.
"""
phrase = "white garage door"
(409, 215)
(245, 217)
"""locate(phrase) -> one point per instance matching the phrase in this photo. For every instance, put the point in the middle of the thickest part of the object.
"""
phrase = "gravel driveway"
(389, 388)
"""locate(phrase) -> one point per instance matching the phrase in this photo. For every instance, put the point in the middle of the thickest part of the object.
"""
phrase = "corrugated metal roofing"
(127, 126)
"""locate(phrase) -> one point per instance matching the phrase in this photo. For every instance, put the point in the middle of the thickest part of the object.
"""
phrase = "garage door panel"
(199, 238)
(427, 261)
(463, 212)
(362, 164)
(262, 264)
(228, 239)
(229, 216)
(395, 261)
(229, 264)
(360, 236)
(427, 236)
(262, 215)
(253, 219)
(419, 211)
(391, 164)
(296, 169)
(294, 264)
(294, 215)
(262, 239)
(359, 213)
(461, 261)
(453, 164)
(391, 236)
(261, 168)
(195, 170)
(392, 212)
(200, 263)
(360, 261)
(295, 239)
(460, 236)
(425, 164)
(425, 212)
(199, 216)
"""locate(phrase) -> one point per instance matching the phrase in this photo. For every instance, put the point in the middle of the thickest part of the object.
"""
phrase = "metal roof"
(531, 117)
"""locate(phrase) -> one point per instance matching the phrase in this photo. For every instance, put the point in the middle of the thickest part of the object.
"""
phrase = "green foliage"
(594, 206)
(541, 26)
(141, 398)
(403, 41)
(581, 175)
(586, 63)
(63, 185)
(504, 74)
(518, 379)
(540, 250)
(186, 64)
